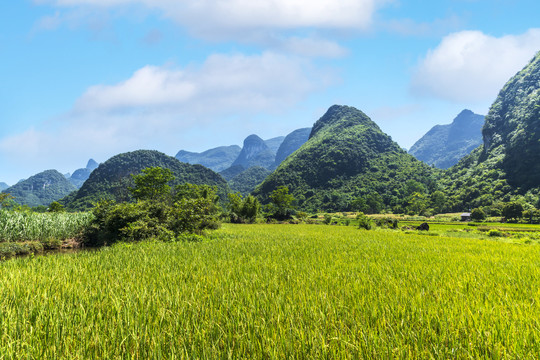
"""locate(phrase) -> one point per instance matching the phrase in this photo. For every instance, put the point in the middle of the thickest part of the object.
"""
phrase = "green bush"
(494, 232)
(327, 219)
(194, 210)
(478, 214)
(387, 223)
(364, 221)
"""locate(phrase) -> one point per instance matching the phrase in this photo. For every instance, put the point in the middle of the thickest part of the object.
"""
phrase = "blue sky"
(93, 78)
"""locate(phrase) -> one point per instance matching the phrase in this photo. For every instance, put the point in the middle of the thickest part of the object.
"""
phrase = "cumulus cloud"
(222, 84)
(219, 15)
(470, 66)
(278, 25)
(162, 107)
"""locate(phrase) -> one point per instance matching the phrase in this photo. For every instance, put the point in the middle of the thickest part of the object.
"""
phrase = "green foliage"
(247, 180)
(364, 221)
(387, 223)
(267, 291)
(194, 210)
(291, 143)
(112, 179)
(532, 216)
(512, 211)
(41, 189)
(55, 206)
(506, 167)
(347, 161)
(281, 203)
(242, 210)
(302, 215)
(478, 214)
(327, 219)
(28, 226)
(152, 184)
(11, 249)
(6, 200)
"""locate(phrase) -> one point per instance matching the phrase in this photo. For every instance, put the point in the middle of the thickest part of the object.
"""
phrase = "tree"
(417, 202)
(55, 206)
(512, 211)
(152, 184)
(478, 214)
(281, 203)
(6, 200)
(192, 213)
(243, 209)
(438, 201)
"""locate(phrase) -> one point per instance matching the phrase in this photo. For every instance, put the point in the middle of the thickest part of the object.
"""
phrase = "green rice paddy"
(277, 291)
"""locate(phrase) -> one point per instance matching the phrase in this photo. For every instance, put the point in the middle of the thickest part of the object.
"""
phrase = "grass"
(277, 291)
(21, 226)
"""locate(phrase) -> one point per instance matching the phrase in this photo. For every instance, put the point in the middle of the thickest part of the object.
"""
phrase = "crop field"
(277, 291)
(30, 226)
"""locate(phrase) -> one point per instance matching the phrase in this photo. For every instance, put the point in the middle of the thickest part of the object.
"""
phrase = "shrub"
(364, 221)
(194, 211)
(387, 223)
(478, 214)
(494, 232)
(327, 219)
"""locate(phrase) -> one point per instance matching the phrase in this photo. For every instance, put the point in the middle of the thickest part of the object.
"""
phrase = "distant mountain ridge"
(217, 159)
(444, 145)
(41, 189)
(255, 152)
(274, 143)
(79, 176)
(112, 179)
(347, 156)
(507, 165)
(291, 143)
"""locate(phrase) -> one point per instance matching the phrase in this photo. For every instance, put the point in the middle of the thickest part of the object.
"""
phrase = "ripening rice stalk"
(277, 291)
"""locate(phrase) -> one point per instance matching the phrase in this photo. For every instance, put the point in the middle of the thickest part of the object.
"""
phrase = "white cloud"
(470, 66)
(311, 47)
(219, 15)
(165, 107)
(222, 84)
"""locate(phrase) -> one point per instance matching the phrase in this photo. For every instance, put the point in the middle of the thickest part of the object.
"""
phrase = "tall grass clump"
(276, 291)
(21, 226)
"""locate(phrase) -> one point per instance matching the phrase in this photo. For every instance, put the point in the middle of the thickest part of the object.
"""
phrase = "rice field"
(22, 226)
(277, 291)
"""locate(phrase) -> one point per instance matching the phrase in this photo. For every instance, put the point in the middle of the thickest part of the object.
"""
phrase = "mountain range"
(112, 179)
(444, 145)
(507, 165)
(79, 176)
(345, 162)
(346, 157)
(41, 189)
